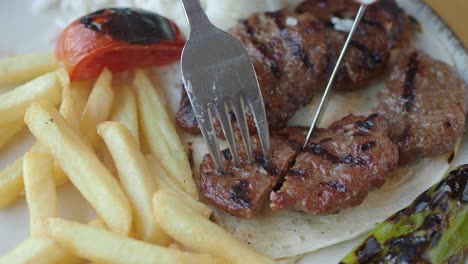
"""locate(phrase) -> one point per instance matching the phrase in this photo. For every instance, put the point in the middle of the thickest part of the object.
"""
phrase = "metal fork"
(219, 78)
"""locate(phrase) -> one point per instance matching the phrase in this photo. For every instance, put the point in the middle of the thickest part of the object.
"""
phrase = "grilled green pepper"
(433, 229)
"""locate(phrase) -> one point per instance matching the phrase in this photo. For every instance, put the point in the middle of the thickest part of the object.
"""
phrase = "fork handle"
(196, 16)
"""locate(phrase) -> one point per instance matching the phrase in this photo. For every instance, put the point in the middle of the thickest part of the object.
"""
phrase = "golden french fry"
(98, 107)
(125, 110)
(11, 183)
(105, 156)
(135, 178)
(74, 98)
(38, 250)
(177, 246)
(13, 104)
(8, 131)
(81, 165)
(166, 182)
(199, 234)
(98, 223)
(11, 178)
(39, 187)
(100, 245)
(72, 106)
(23, 68)
(160, 134)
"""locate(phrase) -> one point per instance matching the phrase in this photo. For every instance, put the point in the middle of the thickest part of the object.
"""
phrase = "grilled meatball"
(424, 104)
(289, 60)
(241, 191)
(383, 26)
(293, 54)
(340, 166)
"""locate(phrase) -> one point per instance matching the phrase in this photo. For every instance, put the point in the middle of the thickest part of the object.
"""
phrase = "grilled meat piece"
(294, 53)
(383, 26)
(424, 102)
(242, 191)
(289, 60)
(340, 166)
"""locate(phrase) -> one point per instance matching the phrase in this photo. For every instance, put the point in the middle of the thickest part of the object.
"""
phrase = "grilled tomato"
(119, 39)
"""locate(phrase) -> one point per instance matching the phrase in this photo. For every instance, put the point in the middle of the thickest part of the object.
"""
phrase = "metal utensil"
(318, 113)
(219, 78)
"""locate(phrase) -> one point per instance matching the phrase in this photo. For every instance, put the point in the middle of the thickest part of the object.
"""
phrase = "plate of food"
(102, 158)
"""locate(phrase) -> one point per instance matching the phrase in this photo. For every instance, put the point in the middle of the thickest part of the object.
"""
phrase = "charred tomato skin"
(119, 39)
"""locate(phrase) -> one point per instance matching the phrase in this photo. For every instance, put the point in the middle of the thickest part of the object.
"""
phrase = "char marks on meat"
(242, 190)
(293, 54)
(339, 167)
(425, 107)
(383, 27)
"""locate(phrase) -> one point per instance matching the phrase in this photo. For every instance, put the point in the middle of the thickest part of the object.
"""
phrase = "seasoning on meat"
(424, 102)
(293, 61)
(242, 190)
(340, 166)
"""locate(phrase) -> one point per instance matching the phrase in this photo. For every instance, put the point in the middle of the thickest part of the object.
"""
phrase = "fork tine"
(223, 116)
(205, 119)
(258, 112)
(238, 108)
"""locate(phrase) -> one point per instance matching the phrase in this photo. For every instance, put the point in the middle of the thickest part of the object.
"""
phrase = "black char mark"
(368, 250)
(264, 50)
(266, 164)
(407, 248)
(372, 59)
(342, 188)
(367, 146)
(368, 124)
(238, 193)
(456, 185)
(297, 49)
(319, 150)
(134, 26)
(410, 78)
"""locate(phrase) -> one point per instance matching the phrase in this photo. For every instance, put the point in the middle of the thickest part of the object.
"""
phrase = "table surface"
(455, 13)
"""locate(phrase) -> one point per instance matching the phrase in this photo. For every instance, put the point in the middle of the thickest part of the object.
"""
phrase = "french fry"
(8, 131)
(11, 183)
(125, 110)
(13, 104)
(74, 101)
(98, 107)
(199, 234)
(81, 165)
(38, 250)
(160, 134)
(101, 246)
(135, 178)
(105, 157)
(73, 104)
(166, 182)
(39, 187)
(23, 68)
(74, 98)
(43, 250)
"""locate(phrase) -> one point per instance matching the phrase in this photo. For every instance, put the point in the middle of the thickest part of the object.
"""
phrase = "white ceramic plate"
(23, 31)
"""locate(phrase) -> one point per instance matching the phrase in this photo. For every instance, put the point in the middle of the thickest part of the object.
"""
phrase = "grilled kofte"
(424, 102)
(337, 170)
(293, 53)
(339, 167)
(243, 190)
(420, 112)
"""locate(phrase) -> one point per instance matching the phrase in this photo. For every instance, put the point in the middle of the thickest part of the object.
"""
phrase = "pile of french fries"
(147, 203)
